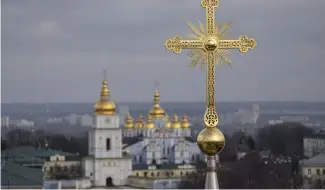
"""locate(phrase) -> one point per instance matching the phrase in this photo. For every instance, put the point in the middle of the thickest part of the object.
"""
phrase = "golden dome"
(139, 123)
(156, 111)
(129, 124)
(104, 106)
(185, 123)
(211, 141)
(150, 124)
(168, 123)
(176, 124)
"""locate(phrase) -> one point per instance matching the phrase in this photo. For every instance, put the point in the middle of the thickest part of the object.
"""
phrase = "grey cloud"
(50, 47)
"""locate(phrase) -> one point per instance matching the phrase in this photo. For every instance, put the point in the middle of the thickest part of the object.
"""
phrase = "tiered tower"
(105, 145)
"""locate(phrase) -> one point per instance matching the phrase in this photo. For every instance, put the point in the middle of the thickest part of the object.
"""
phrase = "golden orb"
(211, 44)
(211, 141)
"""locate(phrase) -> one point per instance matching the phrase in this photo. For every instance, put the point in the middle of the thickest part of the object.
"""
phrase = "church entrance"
(109, 182)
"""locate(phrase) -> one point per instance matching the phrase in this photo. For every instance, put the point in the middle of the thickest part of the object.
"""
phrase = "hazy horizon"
(55, 51)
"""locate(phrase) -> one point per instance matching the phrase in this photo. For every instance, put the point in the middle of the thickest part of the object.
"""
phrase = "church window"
(108, 144)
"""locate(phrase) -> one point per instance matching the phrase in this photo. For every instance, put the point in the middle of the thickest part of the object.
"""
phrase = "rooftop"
(318, 160)
(13, 174)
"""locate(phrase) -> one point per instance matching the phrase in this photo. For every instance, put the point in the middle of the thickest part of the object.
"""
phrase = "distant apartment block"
(5, 121)
(72, 119)
(86, 120)
(241, 116)
(314, 145)
(22, 123)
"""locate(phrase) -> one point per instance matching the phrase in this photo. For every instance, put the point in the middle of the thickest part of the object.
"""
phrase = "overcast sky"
(56, 50)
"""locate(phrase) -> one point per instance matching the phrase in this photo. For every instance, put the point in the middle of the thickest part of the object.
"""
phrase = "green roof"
(13, 174)
(29, 154)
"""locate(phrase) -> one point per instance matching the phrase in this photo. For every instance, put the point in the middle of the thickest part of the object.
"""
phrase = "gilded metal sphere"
(211, 141)
(211, 44)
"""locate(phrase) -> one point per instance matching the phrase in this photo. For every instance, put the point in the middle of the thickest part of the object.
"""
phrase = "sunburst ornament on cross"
(210, 45)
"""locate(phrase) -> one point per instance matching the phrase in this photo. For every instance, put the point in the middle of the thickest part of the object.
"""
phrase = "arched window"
(108, 144)
(152, 174)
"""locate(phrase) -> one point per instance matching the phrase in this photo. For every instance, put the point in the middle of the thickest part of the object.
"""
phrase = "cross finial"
(156, 85)
(104, 74)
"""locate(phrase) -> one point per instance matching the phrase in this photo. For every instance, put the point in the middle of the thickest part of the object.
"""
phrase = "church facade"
(155, 152)
(160, 140)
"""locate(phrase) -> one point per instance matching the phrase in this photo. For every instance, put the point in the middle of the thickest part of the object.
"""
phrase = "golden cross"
(210, 45)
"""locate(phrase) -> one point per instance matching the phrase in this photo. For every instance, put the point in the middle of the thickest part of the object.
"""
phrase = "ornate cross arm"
(243, 44)
(176, 44)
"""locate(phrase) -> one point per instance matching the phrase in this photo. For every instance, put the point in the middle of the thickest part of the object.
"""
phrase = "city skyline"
(55, 51)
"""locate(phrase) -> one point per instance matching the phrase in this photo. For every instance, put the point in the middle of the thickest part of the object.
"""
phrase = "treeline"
(250, 172)
(39, 138)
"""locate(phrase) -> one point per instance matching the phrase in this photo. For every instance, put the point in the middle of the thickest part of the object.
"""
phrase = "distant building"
(304, 120)
(22, 123)
(123, 111)
(5, 121)
(54, 120)
(86, 120)
(72, 119)
(314, 145)
(313, 169)
(241, 116)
